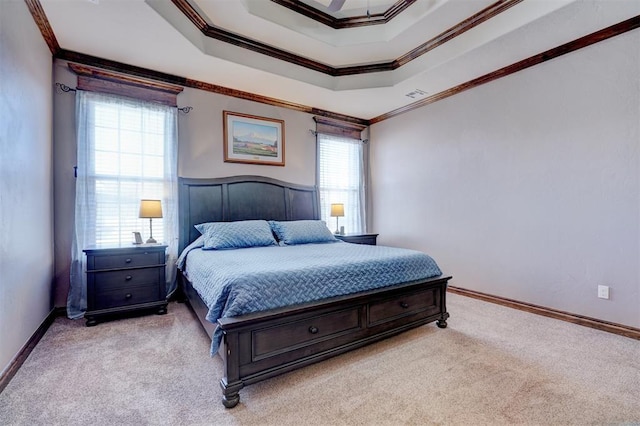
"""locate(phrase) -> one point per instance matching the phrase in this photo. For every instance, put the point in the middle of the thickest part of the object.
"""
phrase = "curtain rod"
(66, 89)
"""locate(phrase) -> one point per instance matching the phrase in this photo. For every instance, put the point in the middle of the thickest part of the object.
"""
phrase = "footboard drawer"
(286, 337)
(425, 302)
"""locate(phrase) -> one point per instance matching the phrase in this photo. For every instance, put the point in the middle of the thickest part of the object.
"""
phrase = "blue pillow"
(230, 235)
(302, 232)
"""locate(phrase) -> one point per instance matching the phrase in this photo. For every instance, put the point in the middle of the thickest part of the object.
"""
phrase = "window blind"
(341, 180)
(126, 151)
(127, 164)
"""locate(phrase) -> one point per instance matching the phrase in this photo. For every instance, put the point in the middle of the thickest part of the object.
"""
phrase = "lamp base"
(151, 241)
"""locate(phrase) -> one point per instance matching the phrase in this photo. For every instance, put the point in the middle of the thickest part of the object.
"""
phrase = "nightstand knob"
(127, 296)
(128, 278)
(404, 305)
(127, 261)
(313, 330)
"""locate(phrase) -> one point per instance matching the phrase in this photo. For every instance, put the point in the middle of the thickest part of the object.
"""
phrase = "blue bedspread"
(241, 281)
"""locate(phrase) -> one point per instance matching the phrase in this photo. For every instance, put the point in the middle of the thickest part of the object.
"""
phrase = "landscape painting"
(252, 139)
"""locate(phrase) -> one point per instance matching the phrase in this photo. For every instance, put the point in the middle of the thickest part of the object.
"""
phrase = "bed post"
(442, 321)
(230, 382)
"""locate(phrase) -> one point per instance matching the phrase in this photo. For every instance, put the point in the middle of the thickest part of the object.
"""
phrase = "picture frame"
(253, 140)
(137, 238)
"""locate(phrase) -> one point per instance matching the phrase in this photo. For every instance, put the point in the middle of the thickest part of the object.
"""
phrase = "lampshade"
(337, 210)
(150, 209)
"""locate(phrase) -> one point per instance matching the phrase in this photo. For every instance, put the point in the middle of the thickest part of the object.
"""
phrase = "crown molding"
(220, 34)
(40, 18)
(595, 37)
(341, 23)
(145, 73)
(47, 34)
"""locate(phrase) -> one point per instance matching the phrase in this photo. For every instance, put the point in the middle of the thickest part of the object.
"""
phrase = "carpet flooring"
(491, 366)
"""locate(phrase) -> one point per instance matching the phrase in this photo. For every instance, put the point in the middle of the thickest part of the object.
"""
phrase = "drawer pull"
(128, 260)
(313, 330)
(128, 278)
(404, 305)
(127, 296)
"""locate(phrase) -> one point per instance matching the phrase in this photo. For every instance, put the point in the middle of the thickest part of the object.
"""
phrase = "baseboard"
(22, 356)
(610, 327)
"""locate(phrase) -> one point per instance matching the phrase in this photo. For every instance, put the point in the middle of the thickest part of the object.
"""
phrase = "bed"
(257, 345)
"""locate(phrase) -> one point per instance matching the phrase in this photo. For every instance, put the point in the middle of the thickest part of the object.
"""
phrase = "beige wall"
(26, 203)
(200, 153)
(527, 187)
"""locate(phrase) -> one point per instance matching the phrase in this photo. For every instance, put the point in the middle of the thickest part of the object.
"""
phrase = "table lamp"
(337, 211)
(150, 209)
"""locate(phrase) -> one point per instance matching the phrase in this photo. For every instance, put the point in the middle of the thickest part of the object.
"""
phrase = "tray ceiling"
(270, 49)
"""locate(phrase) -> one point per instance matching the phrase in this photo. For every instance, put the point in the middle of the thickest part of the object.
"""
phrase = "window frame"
(355, 203)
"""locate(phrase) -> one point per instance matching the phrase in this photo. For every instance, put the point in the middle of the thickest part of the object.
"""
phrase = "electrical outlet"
(603, 292)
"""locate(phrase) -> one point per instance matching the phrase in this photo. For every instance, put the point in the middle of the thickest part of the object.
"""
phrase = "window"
(341, 180)
(126, 151)
(126, 162)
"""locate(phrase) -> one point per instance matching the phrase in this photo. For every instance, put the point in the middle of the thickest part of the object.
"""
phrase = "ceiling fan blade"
(335, 5)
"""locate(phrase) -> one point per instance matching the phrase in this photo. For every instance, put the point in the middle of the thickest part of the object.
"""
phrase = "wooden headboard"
(241, 198)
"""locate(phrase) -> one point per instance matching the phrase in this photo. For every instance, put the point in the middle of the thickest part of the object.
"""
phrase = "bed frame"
(264, 344)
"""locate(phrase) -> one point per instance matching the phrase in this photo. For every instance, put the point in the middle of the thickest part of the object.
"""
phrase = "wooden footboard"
(265, 344)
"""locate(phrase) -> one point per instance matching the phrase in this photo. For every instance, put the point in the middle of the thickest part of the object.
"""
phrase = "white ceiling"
(154, 34)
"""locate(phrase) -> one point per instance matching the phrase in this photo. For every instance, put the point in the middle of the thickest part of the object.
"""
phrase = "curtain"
(126, 151)
(341, 179)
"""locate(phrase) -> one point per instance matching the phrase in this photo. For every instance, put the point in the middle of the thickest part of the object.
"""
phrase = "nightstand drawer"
(109, 280)
(131, 260)
(424, 302)
(126, 296)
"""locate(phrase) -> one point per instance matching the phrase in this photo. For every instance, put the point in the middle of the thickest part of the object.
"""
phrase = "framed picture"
(254, 140)
(137, 238)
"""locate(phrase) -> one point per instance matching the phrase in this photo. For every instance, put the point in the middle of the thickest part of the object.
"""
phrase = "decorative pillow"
(302, 232)
(229, 235)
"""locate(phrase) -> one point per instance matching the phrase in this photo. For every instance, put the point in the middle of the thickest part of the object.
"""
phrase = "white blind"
(341, 180)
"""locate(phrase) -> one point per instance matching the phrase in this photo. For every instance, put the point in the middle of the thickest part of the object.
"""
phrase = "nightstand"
(369, 239)
(125, 279)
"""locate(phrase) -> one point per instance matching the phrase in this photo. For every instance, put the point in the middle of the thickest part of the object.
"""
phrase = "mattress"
(241, 281)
